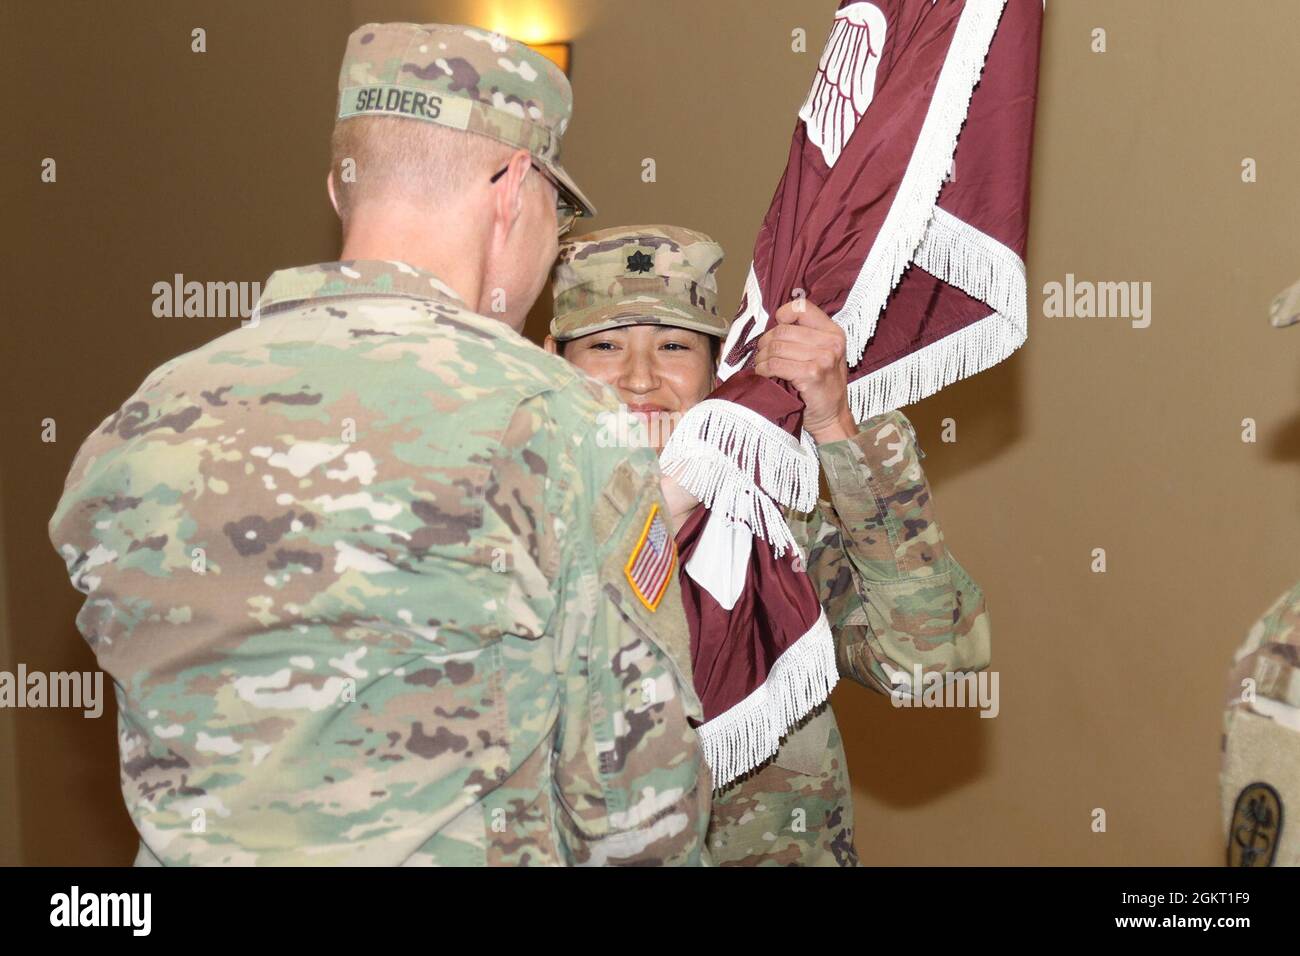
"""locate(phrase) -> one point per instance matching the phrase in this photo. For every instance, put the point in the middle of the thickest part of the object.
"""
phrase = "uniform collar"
(354, 277)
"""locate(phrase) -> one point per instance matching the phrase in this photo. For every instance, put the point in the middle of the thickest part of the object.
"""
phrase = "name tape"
(382, 98)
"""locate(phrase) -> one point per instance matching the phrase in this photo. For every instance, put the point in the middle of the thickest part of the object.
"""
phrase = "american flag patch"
(652, 561)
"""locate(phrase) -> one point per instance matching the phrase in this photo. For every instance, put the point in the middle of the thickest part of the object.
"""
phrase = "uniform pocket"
(804, 750)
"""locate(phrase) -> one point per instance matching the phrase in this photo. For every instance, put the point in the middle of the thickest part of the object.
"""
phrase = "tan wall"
(10, 819)
(1095, 434)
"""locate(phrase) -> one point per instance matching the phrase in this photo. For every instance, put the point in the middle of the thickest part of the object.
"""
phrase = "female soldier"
(636, 308)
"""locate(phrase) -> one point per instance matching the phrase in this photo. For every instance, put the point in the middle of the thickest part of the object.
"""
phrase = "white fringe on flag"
(716, 450)
(714, 478)
(982, 267)
(910, 213)
(741, 738)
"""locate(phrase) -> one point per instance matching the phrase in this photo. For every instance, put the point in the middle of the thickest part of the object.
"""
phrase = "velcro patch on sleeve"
(650, 566)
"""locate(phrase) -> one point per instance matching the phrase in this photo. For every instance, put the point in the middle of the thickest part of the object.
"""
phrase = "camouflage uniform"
(894, 595)
(1259, 781)
(357, 573)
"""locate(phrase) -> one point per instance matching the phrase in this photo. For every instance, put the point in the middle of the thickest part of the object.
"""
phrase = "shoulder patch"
(1256, 826)
(650, 566)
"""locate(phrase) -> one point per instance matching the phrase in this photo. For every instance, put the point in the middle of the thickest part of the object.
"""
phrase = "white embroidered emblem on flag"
(846, 78)
(651, 564)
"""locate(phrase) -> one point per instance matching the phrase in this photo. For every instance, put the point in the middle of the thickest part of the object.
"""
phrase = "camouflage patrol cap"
(1285, 309)
(464, 78)
(633, 275)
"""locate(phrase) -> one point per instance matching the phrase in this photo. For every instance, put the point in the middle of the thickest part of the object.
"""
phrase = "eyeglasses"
(565, 211)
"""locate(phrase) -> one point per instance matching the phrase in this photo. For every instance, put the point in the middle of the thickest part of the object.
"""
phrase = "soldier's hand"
(806, 348)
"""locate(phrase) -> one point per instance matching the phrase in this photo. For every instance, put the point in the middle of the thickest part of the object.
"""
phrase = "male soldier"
(357, 568)
(636, 307)
(1259, 783)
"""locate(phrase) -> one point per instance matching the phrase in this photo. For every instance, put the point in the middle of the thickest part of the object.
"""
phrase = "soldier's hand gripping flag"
(902, 213)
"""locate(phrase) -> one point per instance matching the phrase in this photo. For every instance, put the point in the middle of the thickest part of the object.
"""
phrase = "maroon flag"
(913, 239)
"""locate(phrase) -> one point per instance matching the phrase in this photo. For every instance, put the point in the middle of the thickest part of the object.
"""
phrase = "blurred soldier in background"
(1260, 778)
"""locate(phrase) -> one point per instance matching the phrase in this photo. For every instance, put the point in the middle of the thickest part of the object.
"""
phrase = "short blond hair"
(399, 158)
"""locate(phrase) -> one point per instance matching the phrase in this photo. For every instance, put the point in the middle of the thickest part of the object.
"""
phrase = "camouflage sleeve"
(1259, 776)
(634, 787)
(895, 596)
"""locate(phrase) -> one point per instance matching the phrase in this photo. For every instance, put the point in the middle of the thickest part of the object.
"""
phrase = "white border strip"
(910, 213)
